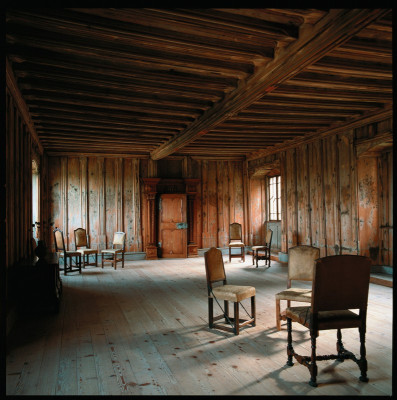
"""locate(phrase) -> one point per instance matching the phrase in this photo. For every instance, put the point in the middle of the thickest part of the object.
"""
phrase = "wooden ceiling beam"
(314, 42)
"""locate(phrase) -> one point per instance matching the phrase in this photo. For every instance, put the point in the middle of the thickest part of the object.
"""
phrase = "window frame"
(270, 199)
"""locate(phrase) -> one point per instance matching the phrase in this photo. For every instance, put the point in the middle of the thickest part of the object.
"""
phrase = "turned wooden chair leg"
(278, 315)
(313, 363)
(290, 349)
(363, 361)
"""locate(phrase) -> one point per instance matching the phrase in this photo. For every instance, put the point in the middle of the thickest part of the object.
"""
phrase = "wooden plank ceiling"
(200, 82)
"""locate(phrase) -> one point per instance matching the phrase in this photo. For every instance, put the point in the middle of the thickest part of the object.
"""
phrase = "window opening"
(274, 196)
(35, 200)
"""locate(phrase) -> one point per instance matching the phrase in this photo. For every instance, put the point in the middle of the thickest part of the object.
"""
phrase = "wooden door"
(172, 226)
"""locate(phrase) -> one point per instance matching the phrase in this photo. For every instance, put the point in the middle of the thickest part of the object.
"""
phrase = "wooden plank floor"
(143, 330)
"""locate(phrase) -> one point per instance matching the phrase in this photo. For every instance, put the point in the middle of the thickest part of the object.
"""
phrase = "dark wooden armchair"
(340, 285)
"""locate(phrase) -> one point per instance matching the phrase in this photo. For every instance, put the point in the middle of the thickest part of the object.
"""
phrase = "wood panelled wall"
(99, 194)
(222, 200)
(333, 199)
(19, 184)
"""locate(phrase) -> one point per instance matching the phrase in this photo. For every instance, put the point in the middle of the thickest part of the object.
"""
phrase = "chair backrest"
(119, 240)
(235, 232)
(269, 235)
(58, 240)
(214, 267)
(341, 283)
(301, 262)
(80, 237)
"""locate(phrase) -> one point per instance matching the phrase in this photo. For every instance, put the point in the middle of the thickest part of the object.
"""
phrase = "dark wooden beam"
(314, 42)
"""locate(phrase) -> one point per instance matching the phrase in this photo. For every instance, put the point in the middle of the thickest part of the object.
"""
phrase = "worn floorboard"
(143, 330)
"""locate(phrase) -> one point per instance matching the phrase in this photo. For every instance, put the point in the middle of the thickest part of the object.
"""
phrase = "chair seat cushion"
(233, 293)
(295, 294)
(236, 244)
(87, 251)
(111, 251)
(70, 254)
(326, 319)
(259, 248)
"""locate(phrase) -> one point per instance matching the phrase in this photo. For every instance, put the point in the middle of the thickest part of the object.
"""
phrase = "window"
(35, 198)
(274, 198)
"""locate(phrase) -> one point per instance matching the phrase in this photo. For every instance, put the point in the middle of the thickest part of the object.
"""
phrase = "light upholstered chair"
(81, 241)
(236, 241)
(215, 273)
(265, 249)
(118, 248)
(301, 261)
(340, 285)
(66, 255)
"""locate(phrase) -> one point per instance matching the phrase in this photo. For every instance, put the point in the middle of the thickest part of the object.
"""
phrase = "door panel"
(173, 226)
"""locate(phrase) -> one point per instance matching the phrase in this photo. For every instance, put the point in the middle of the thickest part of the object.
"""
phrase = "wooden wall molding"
(356, 123)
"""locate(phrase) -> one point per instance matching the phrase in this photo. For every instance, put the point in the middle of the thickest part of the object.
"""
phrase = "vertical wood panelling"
(256, 209)
(302, 194)
(368, 207)
(18, 184)
(93, 184)
(290, 181)
(334, 200)
(316, 197)
(329, 179)
(98, 194)
(110, 200)
(131, 205)
(222, 203)
(346, 196)
(73, 199)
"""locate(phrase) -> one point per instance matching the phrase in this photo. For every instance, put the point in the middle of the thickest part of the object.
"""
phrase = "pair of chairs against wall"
(83, 250)
(340, 284)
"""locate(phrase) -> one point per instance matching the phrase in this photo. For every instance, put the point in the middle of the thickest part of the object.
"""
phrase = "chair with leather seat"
(113, 254)
(81, 241)
(67, 256)
(301, 261)
(263, 252)
(220, 290)
(236, 241)
(339, 300)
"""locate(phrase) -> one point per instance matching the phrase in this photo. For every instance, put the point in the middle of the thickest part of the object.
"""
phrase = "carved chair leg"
(243, 253)
(290, 349)
(230, 254)
(363, 360)
(278, 322)
(313, 364)
(339, 345)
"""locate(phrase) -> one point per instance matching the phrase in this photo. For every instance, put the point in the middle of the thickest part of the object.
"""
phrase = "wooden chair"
(81, 241)
(263, 249)
(340, 285)
(66, 255)
(215, 273)
(236, 241)
(118, 248)
(301, 261)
